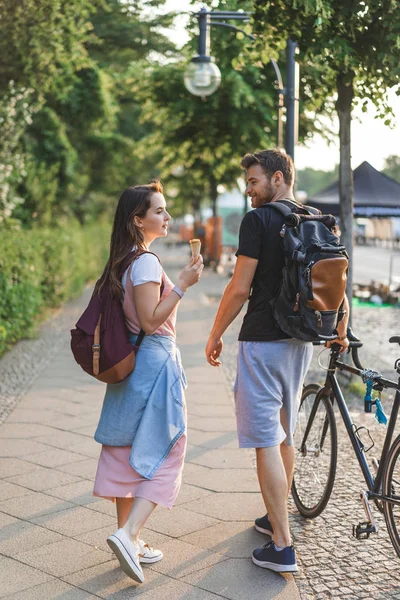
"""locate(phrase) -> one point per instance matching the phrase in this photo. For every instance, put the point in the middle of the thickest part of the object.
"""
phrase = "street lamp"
(202, 77)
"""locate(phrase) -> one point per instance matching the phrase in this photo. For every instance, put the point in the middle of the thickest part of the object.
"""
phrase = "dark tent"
(375, 195)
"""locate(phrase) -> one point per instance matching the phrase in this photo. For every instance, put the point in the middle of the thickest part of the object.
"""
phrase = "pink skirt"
(115, 478)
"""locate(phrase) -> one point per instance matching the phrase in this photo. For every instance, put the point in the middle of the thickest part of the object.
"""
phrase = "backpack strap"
(300, 207)
(132, 256)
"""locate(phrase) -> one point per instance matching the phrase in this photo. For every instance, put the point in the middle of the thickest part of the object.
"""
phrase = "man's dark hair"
(271, 161)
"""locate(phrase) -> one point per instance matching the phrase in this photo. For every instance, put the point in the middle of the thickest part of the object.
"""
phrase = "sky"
(371, 139)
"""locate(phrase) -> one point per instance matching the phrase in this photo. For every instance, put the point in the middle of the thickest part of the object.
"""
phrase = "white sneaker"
(148, 554)
(127, 553)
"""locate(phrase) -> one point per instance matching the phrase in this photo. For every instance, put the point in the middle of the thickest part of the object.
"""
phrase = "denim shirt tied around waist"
(147, 409)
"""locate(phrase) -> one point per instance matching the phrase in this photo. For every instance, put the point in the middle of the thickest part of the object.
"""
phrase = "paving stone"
(15, 576)
(216, 439)
(54, 457)
(80, 444)
(108, 581)
(178, 522)
(234, 539)
(105, 507)
(42, 479)
(237, 579)
(20, 536)
(78, 493)
(6, 520)
(231, 507)
(31, 415)
(84, 468)
(176, 589)
(218, 480)
(25, 431)
(181, 558)
(10, 490)
(33, 505)
(14, 466)
(52, 590)
(210, 410)
(191, 492)
(63, 557)
(212, 424)
(73, 521)
(16, 448)
(220, 459)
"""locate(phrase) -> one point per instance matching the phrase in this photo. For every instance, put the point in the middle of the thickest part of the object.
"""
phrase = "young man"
(271, 366)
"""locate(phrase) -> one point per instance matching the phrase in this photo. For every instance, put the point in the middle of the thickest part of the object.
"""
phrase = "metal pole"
(281, 104)
(204, 35)
(291, 100)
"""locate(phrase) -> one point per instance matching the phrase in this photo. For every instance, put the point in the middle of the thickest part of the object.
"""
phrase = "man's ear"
(278, 175)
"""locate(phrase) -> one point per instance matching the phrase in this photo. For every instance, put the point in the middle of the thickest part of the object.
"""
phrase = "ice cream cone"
(195, 246)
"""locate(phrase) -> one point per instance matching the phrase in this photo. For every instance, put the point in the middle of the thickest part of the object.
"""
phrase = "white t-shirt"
(145, 269)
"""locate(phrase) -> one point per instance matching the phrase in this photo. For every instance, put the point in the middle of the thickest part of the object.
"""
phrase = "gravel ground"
(333, 563)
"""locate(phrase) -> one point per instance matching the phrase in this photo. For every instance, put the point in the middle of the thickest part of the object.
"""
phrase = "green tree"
(392, 167)
(80, 145)
(313, 180)
(349, 53)
(42, 43)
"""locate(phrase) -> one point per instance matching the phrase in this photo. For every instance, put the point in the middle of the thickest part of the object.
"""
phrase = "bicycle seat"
(395, 339)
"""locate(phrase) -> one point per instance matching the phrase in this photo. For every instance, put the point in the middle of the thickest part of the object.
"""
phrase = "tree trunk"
(213, 195)
(346, 187)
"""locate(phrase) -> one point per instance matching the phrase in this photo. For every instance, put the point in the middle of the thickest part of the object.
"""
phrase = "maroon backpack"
(100, 343)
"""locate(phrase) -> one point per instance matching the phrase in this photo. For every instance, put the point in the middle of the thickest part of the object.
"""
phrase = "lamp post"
(202, 76)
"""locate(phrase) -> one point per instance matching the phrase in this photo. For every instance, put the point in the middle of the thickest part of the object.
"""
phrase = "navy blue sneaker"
(263, 524)
(281, 561)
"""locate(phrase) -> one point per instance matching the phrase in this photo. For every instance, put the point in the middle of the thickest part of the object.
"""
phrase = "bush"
(43, 268)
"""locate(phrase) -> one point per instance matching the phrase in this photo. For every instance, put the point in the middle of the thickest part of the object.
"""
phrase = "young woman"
(142, 425)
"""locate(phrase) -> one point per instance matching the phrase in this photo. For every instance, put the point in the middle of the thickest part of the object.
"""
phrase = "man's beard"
(267, 195)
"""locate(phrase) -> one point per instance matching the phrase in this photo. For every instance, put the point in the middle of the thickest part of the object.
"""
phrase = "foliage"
(356, 41)
(15, 116)
(74, 135)
(313, 180)
(44, 42)
(392, 167)
(44, 268)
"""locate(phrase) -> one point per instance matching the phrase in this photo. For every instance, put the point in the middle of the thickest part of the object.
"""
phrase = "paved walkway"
(52, 536)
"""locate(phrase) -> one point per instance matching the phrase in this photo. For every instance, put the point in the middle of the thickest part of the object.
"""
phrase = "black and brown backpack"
(310, 301)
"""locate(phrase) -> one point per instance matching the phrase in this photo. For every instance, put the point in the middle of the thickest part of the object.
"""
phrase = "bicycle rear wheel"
(315, 443)
(391, 488)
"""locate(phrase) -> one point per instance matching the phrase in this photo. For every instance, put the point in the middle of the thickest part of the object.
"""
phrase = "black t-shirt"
(259, 238)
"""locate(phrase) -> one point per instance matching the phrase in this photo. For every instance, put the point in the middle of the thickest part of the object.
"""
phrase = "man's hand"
(344, 342)
(213, 351)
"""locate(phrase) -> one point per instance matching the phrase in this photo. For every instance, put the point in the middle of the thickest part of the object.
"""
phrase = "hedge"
(43, 268)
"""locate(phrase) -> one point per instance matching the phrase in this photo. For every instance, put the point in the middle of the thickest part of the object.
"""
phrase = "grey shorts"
(268, 386)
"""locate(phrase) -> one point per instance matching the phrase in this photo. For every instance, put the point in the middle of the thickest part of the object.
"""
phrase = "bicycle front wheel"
(315, 443)
(391, 488)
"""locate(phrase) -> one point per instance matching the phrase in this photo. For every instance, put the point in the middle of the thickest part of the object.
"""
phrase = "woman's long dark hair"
(134, 201)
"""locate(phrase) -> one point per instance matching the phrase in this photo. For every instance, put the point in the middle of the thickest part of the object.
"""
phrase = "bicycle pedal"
(363, 530)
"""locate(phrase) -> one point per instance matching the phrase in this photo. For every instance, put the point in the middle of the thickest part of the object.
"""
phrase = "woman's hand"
(191, 273)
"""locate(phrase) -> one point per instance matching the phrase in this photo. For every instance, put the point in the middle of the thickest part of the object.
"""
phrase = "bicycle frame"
(332, 385)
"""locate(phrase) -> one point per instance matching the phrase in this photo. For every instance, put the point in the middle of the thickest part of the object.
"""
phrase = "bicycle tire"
(315, 469)
(391, 488)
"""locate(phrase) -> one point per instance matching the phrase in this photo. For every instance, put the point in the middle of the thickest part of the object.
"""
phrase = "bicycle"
(315, 443)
